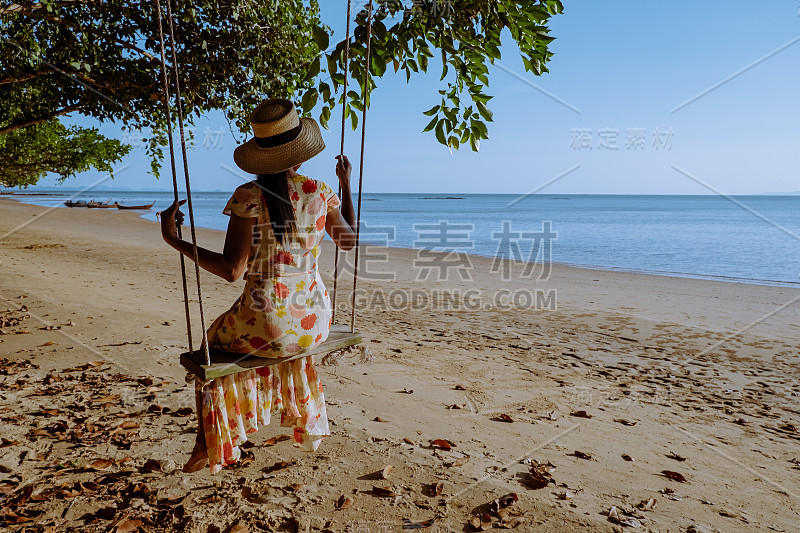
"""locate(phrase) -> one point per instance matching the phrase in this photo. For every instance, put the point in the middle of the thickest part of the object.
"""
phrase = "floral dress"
(284, 309)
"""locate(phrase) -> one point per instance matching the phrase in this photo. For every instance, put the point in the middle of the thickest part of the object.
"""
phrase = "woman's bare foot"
(197, 460)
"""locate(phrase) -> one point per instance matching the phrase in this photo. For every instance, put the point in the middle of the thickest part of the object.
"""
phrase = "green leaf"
(474, 143)
(325, 116)
(378, 65)
(423, 63)
(321, 37)
(484, 111)
(338, 79)
(313, 70)
(309, 100)
(431, 124)
(354, 119)
(440, 136)
(480, 128)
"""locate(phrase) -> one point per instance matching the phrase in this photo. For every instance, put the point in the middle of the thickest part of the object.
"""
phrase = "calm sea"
(745, 238)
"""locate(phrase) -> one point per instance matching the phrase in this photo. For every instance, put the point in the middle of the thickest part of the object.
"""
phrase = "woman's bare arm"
(232, 262)
(341, 223)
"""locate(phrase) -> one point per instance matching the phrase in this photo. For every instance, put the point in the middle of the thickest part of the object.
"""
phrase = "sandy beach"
(641, 402)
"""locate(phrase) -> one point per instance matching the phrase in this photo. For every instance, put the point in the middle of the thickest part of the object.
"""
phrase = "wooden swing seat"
(226, 363)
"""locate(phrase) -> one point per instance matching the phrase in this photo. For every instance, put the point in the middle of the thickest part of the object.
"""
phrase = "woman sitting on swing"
(276, 225)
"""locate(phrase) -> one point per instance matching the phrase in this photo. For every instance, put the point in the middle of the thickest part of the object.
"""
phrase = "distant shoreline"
(583, 266)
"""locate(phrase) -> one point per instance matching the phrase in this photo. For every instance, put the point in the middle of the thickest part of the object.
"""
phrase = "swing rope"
(367, 66)
(341, 152)
(174, 172)
(361, 162)
(179, 110)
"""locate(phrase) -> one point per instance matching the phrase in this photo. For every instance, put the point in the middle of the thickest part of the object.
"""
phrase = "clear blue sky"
(621, 68)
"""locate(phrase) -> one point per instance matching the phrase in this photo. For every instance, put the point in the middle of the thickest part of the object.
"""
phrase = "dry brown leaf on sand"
(614, 516)
(535, 480)
(386, 471)
(540, 475)
(461, 461)
(128, 424)
(675, 456)
(624, 422)
(344, 502)
(20, 516)
(100, 464)
(460, 387)
(510, 522)
(676, 476)
(384, 492)
(280, 465)
(184, 411)
(567, 495)
(457, 406)
(627, 457)
(107, 398)
(542, 468)
(505, 418)
(647, 505)
(442, 444)
(127, 525)
(581, 414)
(408, 524)
(434, 489)
(253, 496)
(151, 465)
(275, 440)
(106, 513)
(481, 522)
(502, 502)
(582, 455)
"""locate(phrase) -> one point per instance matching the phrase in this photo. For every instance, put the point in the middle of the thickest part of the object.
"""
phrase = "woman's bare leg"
(199, 456)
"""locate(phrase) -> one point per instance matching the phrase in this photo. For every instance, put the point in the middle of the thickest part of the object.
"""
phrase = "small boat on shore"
(148, 206)
(102, 205)
(79, 203)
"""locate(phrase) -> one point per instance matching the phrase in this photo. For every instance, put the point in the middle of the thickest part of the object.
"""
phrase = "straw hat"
(281, 139)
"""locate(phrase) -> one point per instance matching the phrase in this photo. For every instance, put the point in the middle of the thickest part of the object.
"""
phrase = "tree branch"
(32, 122)
(24, 77)
(19, 8)
(31, 11)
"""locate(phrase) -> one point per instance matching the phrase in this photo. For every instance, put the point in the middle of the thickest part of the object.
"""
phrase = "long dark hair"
(275, 190)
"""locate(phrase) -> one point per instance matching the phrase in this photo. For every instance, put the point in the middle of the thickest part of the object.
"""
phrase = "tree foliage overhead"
(27, 154)
(465, 34)
(101, 58)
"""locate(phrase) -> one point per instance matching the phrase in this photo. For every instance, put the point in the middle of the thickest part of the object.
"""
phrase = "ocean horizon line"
(54, 191)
